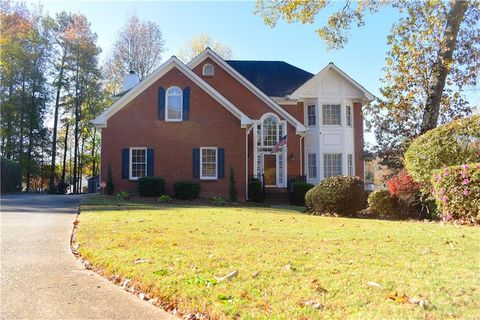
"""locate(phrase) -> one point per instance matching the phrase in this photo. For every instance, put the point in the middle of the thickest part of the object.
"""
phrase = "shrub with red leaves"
(403, 187)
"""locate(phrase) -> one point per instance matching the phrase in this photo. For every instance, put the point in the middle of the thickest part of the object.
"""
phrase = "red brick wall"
(358, 136)
(210, 124)
(253, 107)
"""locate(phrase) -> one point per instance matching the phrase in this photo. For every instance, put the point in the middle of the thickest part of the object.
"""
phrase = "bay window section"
(332, 164)
(331, 115)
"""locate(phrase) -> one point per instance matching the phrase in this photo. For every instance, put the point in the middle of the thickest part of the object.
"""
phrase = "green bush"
(457, 192)
(151, 186)
(298, 192)
(123, 195)
(455, 143)
(11, 176)
(255, 190)
(62, 187)
(383, 204)
(219, 201)
(109, 187)
(339, 195)
(186, 189)
(164, 198)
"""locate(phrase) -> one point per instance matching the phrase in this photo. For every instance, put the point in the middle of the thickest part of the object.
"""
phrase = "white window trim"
(130, 162)
(203, 70)
(216, 163)
(332, 125)
(279, 123)
(341, 164)
(352, 174)
(181, 104)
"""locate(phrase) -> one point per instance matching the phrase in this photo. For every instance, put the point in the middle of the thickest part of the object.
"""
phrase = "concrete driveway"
(40, 277)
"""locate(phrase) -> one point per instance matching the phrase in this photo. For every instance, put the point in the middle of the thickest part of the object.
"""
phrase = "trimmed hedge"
(151, 186)
(255, 191)
(11, 176)
(457, 192)
(186, 189)
(452, 144)
(339, 195)
(298, 192)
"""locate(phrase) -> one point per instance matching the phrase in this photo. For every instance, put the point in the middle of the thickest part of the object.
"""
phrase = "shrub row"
(11, 176)
(298, 192)
(155, 187)
(457, 192)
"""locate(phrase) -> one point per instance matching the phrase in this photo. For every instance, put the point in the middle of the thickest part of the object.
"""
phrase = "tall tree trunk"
(77, 116)
(80, 166)
(65, 152)
(51, 184)
(442, 65)
(93, 151)
(30, 140)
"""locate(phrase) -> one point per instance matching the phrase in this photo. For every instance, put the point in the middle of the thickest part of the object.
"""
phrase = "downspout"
(301, 154)
(247, 132)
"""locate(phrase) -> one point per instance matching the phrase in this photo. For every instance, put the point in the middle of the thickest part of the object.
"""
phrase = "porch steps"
(276, 196)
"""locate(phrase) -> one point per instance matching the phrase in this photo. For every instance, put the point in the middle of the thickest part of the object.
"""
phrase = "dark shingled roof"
(274, 78)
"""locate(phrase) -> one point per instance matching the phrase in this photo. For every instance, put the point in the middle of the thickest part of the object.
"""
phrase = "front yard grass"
(291, 265)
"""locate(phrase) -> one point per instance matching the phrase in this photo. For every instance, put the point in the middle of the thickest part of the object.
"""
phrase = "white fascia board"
(101, 120)
(297, 94)
(299, 127)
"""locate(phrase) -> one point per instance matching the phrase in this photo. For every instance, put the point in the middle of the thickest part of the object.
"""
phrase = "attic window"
(208, 70)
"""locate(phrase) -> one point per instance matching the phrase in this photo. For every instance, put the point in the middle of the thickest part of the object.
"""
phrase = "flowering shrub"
(457, 192)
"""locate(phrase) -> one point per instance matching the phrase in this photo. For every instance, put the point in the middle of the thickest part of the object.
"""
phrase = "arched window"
(208, 70)
(270, 131)
(174, 104)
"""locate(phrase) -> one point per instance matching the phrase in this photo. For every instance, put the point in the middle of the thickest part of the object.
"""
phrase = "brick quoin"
(210, 125)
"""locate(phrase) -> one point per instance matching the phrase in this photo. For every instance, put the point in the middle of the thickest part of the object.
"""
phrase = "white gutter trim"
(247, 132)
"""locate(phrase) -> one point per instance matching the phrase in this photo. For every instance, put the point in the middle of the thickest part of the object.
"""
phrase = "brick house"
(194, 121)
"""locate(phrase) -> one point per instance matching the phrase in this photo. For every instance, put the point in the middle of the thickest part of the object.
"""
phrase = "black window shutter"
(221, 163)
(161, 103)
(125, 163)
(196, 163)
(186, 103)
(150, 162)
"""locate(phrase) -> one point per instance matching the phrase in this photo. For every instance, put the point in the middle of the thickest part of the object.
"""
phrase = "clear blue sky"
(234, 24)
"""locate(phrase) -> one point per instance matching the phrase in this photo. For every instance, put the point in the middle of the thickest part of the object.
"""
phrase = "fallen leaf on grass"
(140, 261)
(317, 287)
(374, 284)
(228, 277)
(313, 304)
(76, 222)
(423, 303)
(255, 274)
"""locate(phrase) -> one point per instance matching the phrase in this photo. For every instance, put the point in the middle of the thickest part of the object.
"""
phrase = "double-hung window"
(174, 106)
(332, 164)
(348, 116)
(311, 116)
(312, 165)
(138, 163)
(208, 163)
(331, 115)
(350, 164)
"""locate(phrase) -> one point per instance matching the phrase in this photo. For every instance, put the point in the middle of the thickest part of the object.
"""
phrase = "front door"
(270, 169)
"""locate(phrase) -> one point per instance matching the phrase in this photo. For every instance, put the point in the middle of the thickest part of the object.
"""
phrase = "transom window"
(138, 162)
(331, 114)
(208, 70)
(312, 165)
(174, 104)
(311, 116)
(208, 163)
(350, 164)
(348, 115)
(270, 131)
(332, 164)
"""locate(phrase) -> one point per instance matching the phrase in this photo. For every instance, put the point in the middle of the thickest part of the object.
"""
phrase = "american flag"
(281, 142)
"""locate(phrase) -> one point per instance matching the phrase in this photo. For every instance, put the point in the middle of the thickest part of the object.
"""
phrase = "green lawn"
(300, 260)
